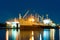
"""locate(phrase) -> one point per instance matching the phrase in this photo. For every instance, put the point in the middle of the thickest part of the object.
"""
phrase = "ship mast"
(19, 16)
(47, 16)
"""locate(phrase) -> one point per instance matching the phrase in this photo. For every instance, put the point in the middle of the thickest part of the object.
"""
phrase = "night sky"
(11, 8)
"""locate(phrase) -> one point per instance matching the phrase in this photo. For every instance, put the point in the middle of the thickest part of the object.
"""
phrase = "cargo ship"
(30, 22)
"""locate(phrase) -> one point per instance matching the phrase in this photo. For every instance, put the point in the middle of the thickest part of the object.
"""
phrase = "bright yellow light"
(8, 22)
(31, 20)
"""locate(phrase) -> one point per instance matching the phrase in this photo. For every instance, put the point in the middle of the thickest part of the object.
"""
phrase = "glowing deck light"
(53, 24)
(46, 21)
(31, 19)
(8, 22)
(13, 24)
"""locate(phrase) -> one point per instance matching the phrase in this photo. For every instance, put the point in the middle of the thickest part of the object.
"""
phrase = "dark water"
(13, 34)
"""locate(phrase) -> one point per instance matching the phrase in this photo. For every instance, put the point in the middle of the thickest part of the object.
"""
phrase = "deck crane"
(40, 18)
(26, 14)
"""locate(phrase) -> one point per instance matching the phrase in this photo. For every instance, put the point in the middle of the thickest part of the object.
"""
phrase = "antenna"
(15, 19)
(38, 18)
(42, 18)
(47, 16)
(26, 14)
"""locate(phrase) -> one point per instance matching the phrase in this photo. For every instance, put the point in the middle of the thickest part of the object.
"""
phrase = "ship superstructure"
(30, 20)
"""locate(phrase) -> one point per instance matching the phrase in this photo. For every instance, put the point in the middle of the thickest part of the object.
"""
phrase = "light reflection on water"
(59, 34)
(12, 34)
(46, 34)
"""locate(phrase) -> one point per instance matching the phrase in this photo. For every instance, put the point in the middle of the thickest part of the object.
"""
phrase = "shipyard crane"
(26, 14)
